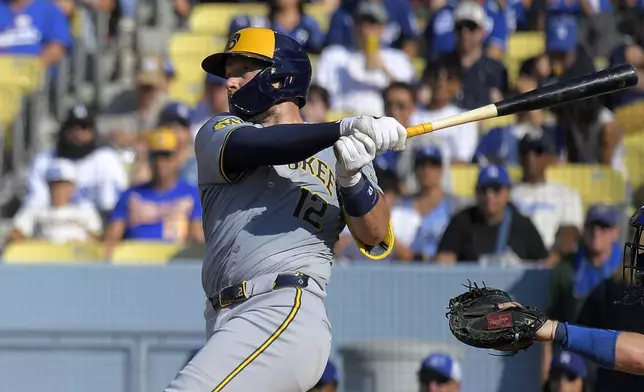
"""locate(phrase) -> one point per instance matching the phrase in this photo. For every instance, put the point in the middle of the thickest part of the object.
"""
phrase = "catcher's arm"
(623, 351)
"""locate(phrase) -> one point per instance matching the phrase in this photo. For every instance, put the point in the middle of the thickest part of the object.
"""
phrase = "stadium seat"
(634, 157)
(595, 183)
(190, 253)
(215, 18)
(320, 12)
(631, 117)
(38, 252)
(189, 83)
(144, 253)
(335, 115)
(463, 178)
(196, 45)
(523, 45)
(497, 122)
(26, 72)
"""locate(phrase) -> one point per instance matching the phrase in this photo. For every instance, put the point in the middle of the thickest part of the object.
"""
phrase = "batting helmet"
(286, 64)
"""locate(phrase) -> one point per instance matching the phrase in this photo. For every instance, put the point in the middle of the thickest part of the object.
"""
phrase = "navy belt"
(237, 293)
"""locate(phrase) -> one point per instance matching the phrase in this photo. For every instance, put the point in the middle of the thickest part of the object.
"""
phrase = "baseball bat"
(594, 84)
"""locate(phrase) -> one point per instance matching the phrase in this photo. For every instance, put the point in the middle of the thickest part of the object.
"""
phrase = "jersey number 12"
(311, 207)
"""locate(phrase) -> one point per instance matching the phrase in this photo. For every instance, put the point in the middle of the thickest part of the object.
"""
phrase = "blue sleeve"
(316, 36)
(196, 213)
(439, 34)
(119, 212)
(58, 30)
(499, 34)
(406, 19)
(340, 30)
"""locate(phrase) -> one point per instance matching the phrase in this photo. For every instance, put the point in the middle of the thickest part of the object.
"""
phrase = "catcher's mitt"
(475, 320)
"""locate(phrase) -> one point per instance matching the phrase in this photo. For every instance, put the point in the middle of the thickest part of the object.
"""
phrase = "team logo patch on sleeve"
(226, 122)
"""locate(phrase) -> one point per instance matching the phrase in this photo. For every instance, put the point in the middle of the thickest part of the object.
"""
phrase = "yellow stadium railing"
(40, 252)
(144, 253)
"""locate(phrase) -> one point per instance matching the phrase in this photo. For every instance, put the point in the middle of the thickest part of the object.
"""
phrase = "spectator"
(440, 372)
(493, 227)
(287, 17)
(428, 212)
(329, 380)
(599, 255)
(401, 32)
(60, 221)
(555, 210)
(100, 172)
(441, 33)
(317, 105)
(213, 102)
(164, 209)
(34, 27)
(564, 59)
(444, 81)
(567, 373)
(143, 104)
(632, 52)
(175, 117)
(501, 144)
(355, 78)
(483, 78)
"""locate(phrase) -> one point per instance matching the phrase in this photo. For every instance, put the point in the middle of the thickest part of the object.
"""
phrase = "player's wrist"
(359, 198)
(349, 180)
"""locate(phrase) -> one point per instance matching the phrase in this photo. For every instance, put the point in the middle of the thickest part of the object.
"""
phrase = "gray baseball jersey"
(271, 219)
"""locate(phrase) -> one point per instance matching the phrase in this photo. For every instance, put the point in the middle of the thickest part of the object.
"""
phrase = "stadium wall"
(108, 328)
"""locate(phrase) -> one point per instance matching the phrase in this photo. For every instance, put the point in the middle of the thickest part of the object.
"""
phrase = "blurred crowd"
(124, 170)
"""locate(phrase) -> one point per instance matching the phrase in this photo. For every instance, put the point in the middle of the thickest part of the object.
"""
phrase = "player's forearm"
(250, 147)
(622, 351)
(372, 228)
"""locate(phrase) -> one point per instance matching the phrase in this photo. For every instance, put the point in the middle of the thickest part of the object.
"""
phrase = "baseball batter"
(276, 193)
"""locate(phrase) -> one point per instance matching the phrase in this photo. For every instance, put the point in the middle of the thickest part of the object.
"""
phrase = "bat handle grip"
(419, 129)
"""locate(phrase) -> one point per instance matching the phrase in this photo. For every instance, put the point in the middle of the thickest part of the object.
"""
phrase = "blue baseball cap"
(175, 112)
(442, 364)
(562, 34)
(570, 362)
(330, 375)
(603, 213)
(493, 175)
(214, 79)
(428, 154)
(387, 161)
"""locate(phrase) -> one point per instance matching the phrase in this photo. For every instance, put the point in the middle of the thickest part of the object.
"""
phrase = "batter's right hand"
(386, 132)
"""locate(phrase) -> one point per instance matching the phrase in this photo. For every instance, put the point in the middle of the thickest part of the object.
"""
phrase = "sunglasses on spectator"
(429, 376)
(397, 104)
(495, 188)
(466, 24)
(161, 154)
(567, 374)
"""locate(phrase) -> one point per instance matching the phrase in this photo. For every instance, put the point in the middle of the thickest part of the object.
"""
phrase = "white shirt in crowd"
(549, 206)
(456, 144)
(59, 224)
(354, 89)
(101, 177)
(405, 222)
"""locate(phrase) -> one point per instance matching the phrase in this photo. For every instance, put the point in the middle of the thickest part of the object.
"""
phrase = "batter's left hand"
(353, 153)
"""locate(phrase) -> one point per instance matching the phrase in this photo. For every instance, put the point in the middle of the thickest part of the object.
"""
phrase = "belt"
(237, 293)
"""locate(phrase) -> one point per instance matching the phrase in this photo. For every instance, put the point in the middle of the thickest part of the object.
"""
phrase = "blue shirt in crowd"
(431, 229)
(402, 25)
(440, 37)
(158, 215)
(307, 32)
(31, 29)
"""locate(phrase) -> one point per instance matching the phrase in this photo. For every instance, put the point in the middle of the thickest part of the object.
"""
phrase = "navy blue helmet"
(633, 268)
(287, 66)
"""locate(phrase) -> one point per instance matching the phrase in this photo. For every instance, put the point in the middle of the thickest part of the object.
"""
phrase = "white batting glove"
(353, 153)
(386, 132)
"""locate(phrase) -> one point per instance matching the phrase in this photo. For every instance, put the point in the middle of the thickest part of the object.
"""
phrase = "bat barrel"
(598, 83)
